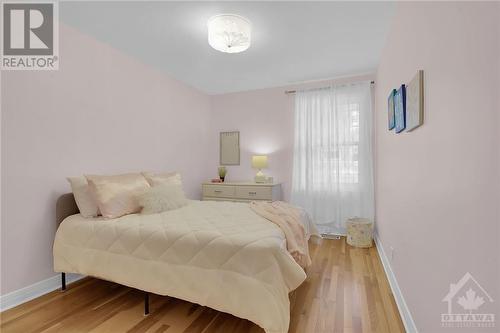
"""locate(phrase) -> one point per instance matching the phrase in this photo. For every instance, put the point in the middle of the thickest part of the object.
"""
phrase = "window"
(332, 163)
(334, 149)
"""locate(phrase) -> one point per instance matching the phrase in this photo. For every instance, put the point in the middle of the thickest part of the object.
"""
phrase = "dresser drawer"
(218, 191)
(217, 199)
(254, 192)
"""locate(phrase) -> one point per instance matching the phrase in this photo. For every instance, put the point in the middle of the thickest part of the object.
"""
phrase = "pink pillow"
(117, 195)
(83, 196)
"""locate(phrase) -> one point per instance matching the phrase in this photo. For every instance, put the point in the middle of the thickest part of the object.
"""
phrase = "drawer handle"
(217, 191)
(252, 193)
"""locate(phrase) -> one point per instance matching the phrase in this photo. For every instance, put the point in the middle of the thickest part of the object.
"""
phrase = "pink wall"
(265, 120)
(102, 112)
(437, 188)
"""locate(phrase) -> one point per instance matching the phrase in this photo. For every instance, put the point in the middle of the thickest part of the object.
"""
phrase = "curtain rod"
(294, 91)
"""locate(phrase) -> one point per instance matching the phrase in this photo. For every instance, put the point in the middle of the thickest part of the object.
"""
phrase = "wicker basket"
(359, 232)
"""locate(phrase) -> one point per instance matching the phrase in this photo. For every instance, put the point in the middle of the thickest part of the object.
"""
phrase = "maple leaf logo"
(470, 301)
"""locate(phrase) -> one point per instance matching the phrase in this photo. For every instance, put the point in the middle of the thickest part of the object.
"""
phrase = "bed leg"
(63, 281)
(146, 303)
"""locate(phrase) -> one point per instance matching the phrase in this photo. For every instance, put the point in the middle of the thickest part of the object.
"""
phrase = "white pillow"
(83, 197)
(162, 198)
(155, 179)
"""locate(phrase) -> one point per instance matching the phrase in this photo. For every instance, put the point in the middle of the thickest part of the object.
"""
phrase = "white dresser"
(244, 192)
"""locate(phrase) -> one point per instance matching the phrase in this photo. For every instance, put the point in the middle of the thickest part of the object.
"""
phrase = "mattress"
(217, 254)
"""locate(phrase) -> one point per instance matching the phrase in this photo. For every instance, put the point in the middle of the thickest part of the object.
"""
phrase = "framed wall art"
(415, 102)
(390, 110)
(400, 109)
(230, 148)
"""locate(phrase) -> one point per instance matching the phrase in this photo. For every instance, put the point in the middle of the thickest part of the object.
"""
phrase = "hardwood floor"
(346, 291)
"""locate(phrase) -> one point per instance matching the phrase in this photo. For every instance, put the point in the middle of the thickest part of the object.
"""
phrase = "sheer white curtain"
(333, 162)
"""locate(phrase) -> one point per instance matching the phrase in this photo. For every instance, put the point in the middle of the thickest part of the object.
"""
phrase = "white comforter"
(218, 254)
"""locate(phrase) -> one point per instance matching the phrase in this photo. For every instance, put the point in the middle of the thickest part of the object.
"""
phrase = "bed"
(217, 254)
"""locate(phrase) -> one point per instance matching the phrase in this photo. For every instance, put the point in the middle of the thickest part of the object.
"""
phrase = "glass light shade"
(229, 33)
(259, 161)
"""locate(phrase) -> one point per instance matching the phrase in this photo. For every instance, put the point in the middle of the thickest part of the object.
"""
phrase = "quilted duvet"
(217, 254)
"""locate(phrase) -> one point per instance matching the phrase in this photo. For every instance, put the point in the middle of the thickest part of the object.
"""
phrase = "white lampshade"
(229, 33)
(259, 161)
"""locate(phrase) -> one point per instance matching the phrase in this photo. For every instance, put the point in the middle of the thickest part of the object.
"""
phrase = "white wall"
(102, 112)
(437, 188)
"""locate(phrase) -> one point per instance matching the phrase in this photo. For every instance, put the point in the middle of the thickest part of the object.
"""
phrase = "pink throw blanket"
(288, 218)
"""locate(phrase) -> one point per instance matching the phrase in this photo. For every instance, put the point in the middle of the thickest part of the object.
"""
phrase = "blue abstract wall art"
(390, 110)
(400, 109)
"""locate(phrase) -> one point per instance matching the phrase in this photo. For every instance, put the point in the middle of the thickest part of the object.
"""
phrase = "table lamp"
(259, 162)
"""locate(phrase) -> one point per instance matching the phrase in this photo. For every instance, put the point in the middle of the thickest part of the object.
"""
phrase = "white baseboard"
(35, 290)
(398, 296)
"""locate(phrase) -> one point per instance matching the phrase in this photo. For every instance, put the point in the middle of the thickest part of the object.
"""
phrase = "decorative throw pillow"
(162, 198)
(155, 179)
(117, 195)
(83, 196)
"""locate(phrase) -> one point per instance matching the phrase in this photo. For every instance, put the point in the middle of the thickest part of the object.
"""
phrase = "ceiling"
(291, 41)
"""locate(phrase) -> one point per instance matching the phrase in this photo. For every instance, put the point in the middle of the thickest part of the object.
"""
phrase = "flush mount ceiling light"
(229, 33)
